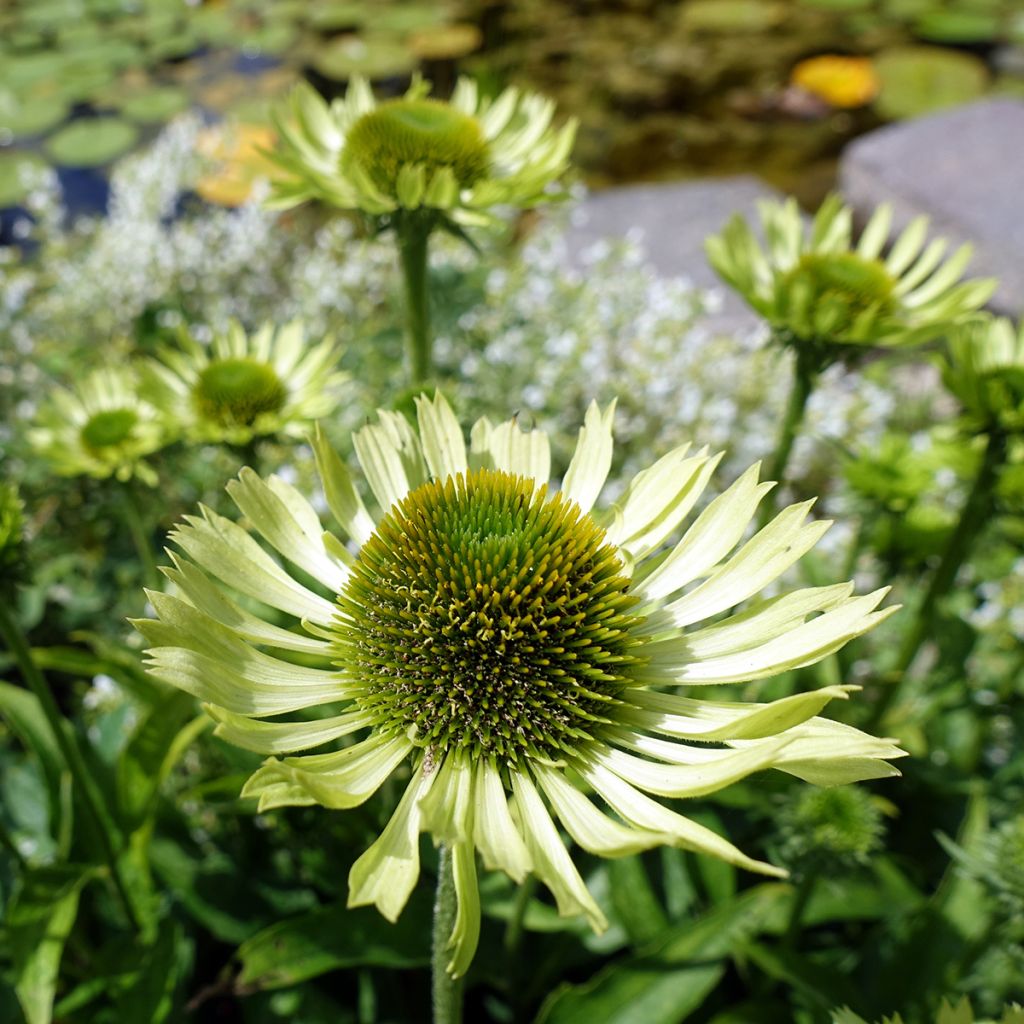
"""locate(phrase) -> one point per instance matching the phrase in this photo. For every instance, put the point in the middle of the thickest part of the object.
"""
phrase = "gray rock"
(671, 222)
(962, 168)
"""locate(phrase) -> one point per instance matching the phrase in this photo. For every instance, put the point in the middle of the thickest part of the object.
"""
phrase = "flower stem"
(804, 379)
(447, 990)
(801, 898)
(16, 643)
(973, 517)
(413, 239)
(141, 537)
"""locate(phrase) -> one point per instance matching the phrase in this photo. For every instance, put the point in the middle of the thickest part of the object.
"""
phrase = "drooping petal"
(224, 549)
(688, 719)
(465, 934)
(551, 861)
(386, 874)
(594, 831)
(284, 737)
(343, 779)
(289, 524)
(494, 832)
(633, 806)
(205, 596)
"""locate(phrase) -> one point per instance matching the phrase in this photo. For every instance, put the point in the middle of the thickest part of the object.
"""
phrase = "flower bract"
(102, 427)
(520, 659)
(827, 297)
(459, 157)
(985, 370)
(244, 386)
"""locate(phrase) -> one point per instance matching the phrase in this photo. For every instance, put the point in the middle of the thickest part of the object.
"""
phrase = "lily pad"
(372, 58)
(918, 80)
(26, 116)
(727, 16)
(155, 106)
(332, 17)
(958, 26)
(92, 142)
(445, 42)
(408, 17)
(838, 5)
(15, 171)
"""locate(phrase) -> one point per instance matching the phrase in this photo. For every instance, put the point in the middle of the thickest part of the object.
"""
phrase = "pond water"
(662, 89)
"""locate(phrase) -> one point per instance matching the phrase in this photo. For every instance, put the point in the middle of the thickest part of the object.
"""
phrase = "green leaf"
(819, 984)
(159, 741)
(38, 922)
(21, 710)
(634, 900)
(674, 976)
(92, 142)
(151, 997)
(325, 940)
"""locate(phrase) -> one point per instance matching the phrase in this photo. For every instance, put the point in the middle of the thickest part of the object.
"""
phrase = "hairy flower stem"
(804, 379)
(973, 516)
(413, 243)
(131, 513)
(14, 639)
(447, 990)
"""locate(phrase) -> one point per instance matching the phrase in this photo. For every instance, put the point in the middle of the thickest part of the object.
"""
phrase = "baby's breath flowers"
(101, 428)
(829, 301)
(507, 650)
(415, 164)
(242, 387)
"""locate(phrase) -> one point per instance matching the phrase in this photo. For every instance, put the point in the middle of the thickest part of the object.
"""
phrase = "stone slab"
(671, 222)
(964, 169)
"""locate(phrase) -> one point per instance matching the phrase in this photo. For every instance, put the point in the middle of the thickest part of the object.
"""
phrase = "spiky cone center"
(417, 131)
(108, 429)
(486, 617)
(846, 279)
(843, 822)
(237, 391)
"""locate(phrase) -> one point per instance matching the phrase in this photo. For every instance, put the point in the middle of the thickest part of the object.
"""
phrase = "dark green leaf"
(666, 983)
(324, 940)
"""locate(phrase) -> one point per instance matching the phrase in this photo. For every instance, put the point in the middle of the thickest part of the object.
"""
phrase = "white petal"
(642, 811)
(765, 557)
(552, 863)
(594, 831)
(441, 437)
(711, 537)
(284, 737)
(494, 832)
(466, 932)
(386, 874)
(715, 770)
(224, 549)
(689, 719)
(211, 600)
(592, 459)
(342, 497)
(289, 524)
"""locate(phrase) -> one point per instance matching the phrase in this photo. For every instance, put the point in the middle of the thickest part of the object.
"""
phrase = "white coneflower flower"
(245, 386)
(514, 651)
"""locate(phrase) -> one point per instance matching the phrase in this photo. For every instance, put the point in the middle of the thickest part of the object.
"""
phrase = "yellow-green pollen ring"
(237, 391)
(846, 279)
(417, 131)
(487, 617)
(108, 428)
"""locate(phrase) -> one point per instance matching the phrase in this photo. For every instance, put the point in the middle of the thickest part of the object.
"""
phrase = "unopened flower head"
(821, 294)
(244, 386)
(102, 427)
(459, 157)
(508, 650)
(985, 370)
